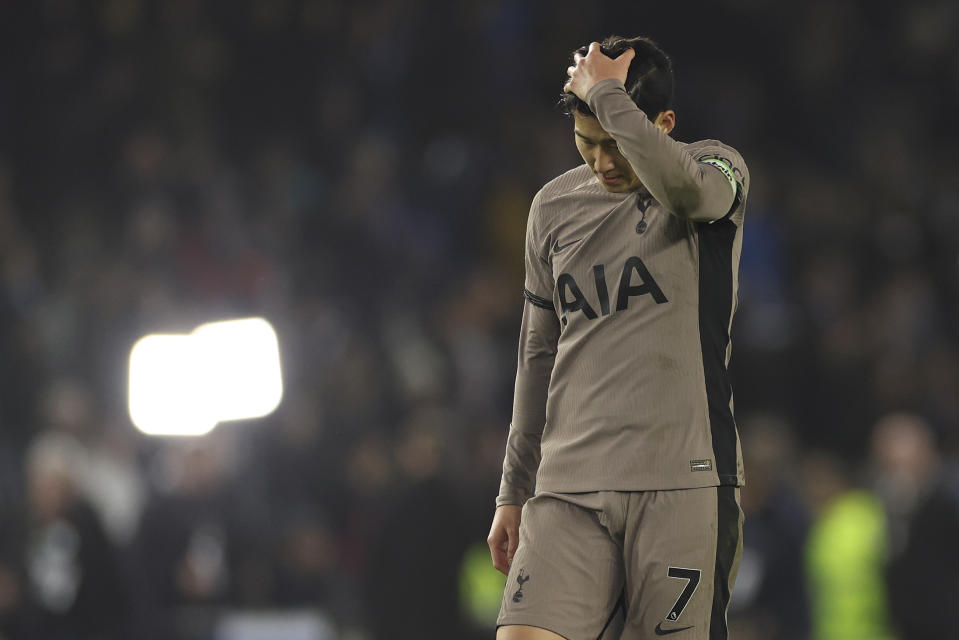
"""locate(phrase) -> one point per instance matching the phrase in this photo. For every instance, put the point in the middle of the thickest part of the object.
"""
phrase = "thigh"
(681, 554)
(522, 632)
(567, 574)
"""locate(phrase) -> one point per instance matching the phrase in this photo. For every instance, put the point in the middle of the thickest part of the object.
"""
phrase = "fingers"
(500, 559)
(498, 546)
(594, 48)
(513, 543)
(503, 539)
(595, 66)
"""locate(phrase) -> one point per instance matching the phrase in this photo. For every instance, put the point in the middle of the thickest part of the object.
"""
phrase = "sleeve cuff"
(603, 86)
(515, 498)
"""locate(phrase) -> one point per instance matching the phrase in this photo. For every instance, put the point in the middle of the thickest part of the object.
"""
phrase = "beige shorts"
(666, 560)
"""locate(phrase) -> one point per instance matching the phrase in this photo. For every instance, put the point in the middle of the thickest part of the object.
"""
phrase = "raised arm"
(689, 188)
(696, 189)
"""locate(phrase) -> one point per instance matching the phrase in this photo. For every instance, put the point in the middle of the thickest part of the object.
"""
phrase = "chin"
(620, 187)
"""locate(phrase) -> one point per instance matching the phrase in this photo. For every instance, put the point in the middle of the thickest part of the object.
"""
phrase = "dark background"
(359, 174)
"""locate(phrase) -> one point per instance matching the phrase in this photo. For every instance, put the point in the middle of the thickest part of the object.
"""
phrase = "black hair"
(649, 81)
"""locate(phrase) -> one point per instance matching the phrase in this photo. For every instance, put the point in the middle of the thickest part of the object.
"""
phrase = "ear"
(666, 121)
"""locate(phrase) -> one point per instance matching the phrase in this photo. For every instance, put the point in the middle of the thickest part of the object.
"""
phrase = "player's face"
(601, 153)
(603, 156)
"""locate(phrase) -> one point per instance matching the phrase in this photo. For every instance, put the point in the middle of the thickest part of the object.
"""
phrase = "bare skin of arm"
(523, 632)
(504, 536)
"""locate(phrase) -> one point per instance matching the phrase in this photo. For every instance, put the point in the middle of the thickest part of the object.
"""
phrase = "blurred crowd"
(359, 174)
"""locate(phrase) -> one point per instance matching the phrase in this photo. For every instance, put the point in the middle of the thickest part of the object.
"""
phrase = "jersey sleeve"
(687, 187)
(730, 164)
(539, 285)
(539, 334)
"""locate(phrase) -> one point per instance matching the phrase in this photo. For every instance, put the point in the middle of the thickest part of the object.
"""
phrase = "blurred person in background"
(921, 499)
(622, 416)
(109, 477)
(306, 571)
(845, 554)
(192, 542)
(770, 601)
(412, 580)
(306, 501)
(73, 589)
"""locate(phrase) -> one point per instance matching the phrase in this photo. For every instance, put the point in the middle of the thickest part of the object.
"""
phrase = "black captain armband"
(537, 301)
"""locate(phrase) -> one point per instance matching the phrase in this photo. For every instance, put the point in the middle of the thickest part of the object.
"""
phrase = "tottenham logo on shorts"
(521, 579)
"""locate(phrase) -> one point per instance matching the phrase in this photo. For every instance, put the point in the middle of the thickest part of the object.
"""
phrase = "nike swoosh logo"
(557, 247)
(665, 632)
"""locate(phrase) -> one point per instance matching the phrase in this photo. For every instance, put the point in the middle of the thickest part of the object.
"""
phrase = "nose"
(603, 163)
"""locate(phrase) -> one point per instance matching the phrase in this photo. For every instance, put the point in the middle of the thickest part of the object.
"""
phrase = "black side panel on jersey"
(728, 535)
(715, 306)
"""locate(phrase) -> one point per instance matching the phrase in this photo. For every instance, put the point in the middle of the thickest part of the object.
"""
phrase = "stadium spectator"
(73, 587)
(845, 555)
(771, 600)
(922, 511)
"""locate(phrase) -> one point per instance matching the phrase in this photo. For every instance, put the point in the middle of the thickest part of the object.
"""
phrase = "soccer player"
(623, 410)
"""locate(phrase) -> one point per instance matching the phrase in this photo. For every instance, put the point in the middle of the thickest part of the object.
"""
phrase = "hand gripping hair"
(649, 81)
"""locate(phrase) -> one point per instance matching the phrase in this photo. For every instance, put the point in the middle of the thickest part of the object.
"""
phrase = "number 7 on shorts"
(691, 576)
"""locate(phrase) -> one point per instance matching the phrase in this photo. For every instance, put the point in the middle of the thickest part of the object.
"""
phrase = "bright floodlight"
(166, 387)
(186, 384)
(243, 367)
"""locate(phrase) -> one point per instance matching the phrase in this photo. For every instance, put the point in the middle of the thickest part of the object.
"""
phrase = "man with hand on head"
(623, 409)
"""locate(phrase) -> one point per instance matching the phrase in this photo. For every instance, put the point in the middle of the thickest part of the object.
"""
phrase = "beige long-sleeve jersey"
(622, 380)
